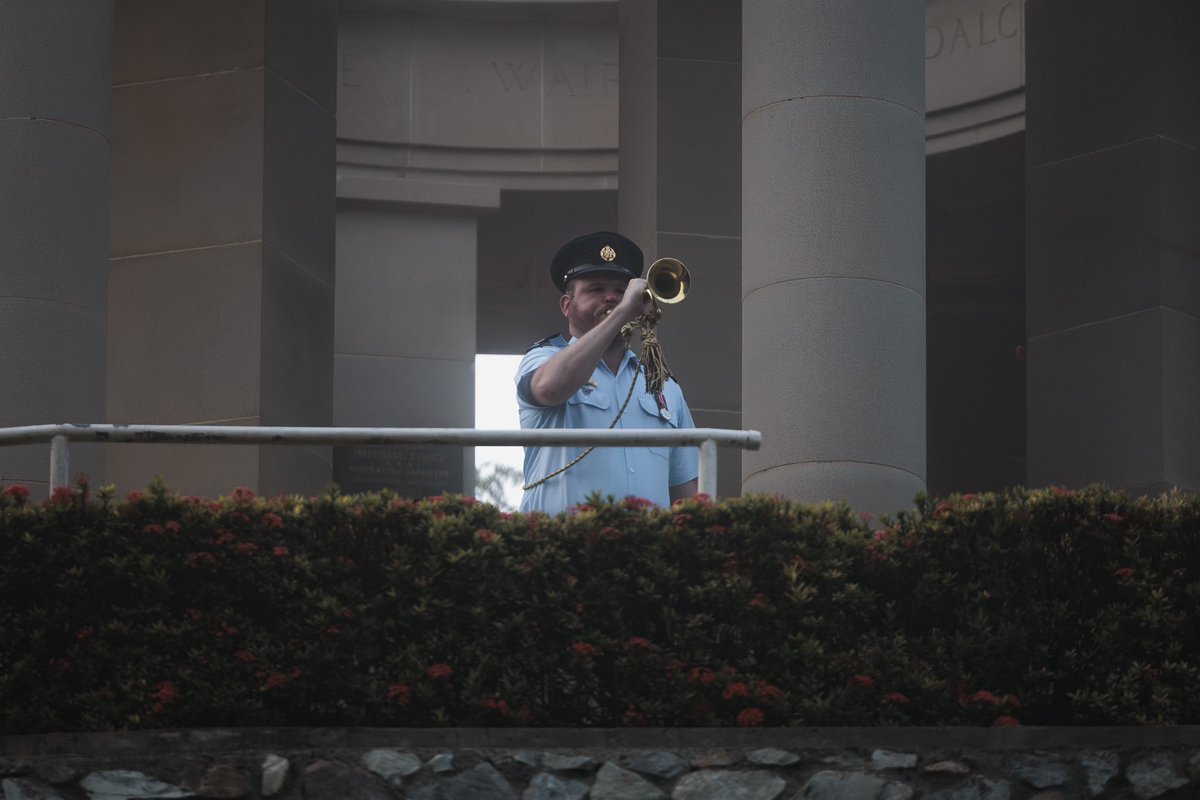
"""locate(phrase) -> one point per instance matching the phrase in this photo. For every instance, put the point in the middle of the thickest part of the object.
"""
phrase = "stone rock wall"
(642, 764)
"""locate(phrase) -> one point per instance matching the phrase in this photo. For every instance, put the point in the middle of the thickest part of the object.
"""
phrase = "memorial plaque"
(409, 470)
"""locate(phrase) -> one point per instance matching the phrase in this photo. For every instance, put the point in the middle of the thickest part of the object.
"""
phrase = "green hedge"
(1032, 606)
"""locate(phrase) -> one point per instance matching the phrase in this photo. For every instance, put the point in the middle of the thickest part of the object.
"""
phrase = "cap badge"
(607, 253)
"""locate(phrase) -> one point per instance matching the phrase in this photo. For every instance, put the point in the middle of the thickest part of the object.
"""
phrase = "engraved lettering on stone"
(967, 32)
(1016, 25)
(515, 74)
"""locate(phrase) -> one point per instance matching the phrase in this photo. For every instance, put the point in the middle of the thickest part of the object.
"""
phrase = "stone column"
(1113, 243)
(221, 277)
(55, 127)
(833, 276)
(680, 169)
(405, 331)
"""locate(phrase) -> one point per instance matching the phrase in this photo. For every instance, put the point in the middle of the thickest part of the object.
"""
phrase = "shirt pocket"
(590, 400)
(649, 408)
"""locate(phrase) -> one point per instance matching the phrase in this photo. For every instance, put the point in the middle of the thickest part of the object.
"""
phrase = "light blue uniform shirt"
(646, 472)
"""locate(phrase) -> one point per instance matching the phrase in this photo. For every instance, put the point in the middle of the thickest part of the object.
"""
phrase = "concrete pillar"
(1113, 244)
(833, 275)
(680, 172)
(55, 128)
(221, 276)
(405, 330)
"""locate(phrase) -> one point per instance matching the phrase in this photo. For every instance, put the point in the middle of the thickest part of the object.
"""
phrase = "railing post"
(708, 468)
(60, 462)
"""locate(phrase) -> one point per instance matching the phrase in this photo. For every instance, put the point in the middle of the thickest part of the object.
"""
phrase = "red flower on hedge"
(1115, 519)
(245, 656)
(1124, 573)
(495, 704)
(272, 520)
(1005, 721)
(985, 698)
(583, 649)
(486, 536)
(201, 558)
(862, 682)
(153, 530)
(165, 695)
(609, 532)
(400, 694)
(17, 492)
(277, 680)
(632, 716)
(245, 548)
(701, 675)
(172, 526)
(440, 672)
(280, 551)
(63, 494)
(896, 697)
(83, 634)
(737, 689)
(750, 718)
(632, 501)
(224, 537)
(242, 494)
(639, 643)
(758, 601)
(681, 519)
(767, 692)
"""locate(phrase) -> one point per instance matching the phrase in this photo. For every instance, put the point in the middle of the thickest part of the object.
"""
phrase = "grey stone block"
(659, 764)
(297, 344)
(1181, 396)
(580, 85)
(301, 46)
(299, 205)
(699, 129)
(396, 392)
(802, 396)
(1090, 217)
(1095, 407)
(55, 222)
(187, 163)
(833, 186)
(159, 39)
(709, 31)
(467, 70)
(324, 780)
(420, 261)
(1039, 771)
(1155, 775)
(62, 62)
(831, 785)
(374, 76)
(545, 786)
(1093, 95)
(185, 336)
(720, 785)
(614, 783)
(53, 365)
(794, 50)
(201, 470)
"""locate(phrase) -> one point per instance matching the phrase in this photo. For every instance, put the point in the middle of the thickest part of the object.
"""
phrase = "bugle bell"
(668, 280)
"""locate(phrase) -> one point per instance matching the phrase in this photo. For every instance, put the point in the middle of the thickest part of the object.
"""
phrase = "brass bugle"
(668, 280)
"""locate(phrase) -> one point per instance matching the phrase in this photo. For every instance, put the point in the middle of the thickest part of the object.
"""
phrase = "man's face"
(589, 298)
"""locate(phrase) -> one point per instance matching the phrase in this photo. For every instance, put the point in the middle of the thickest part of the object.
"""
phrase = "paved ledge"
(217, 740)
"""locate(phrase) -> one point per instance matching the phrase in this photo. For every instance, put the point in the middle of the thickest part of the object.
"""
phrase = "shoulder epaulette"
(553, 340)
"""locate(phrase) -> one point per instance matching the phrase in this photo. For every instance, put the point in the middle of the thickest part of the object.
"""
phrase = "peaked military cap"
(602, 251)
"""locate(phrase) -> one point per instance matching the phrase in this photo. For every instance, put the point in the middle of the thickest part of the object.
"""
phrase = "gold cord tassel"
(657, 371)
(653, 360)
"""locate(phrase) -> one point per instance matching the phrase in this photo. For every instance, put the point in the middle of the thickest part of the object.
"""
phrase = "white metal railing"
(60, 436)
